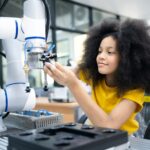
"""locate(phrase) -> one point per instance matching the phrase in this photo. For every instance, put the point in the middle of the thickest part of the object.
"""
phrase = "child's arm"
(115, 119)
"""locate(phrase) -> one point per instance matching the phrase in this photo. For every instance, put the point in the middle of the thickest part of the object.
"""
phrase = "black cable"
(3, 54)
(47, 11)
(3, 5)
(7, 113)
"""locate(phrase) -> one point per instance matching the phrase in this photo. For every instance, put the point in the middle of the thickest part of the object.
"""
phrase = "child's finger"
(55, 72)
(59, 66)
(50, 66)
(47, 70)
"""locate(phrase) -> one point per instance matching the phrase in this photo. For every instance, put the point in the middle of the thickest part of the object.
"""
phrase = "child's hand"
(60, 74)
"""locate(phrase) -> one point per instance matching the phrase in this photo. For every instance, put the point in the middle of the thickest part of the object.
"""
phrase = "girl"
(116, 64)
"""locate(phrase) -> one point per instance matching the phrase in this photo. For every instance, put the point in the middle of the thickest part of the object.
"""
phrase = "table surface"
(139, 144)
(70, 111)
(44, 101)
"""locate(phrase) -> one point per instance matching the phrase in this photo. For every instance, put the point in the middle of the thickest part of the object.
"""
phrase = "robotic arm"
(28, 34)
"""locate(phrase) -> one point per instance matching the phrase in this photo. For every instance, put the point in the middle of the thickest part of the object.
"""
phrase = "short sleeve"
(137, 96)
(83, 76)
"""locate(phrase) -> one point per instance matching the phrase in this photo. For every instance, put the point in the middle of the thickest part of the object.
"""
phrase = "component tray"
(69, 136)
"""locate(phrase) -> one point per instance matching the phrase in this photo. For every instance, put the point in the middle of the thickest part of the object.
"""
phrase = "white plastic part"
(7, 28)
(14, 97)
(18, 98)
(33, 27)
(31, 101)
(34, 23)
(11, 28)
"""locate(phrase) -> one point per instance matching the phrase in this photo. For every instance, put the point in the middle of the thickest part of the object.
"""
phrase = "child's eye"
(110, 52)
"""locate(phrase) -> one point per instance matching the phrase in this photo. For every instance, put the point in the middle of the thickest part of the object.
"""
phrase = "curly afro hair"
(133, 42)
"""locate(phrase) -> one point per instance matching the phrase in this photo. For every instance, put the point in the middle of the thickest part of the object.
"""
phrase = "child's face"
(108, 56)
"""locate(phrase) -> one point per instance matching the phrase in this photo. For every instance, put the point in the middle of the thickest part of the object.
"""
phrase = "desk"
(139, 144)
(71, 111)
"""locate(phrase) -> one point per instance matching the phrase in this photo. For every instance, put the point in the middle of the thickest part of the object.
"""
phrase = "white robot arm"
(9, 28)
(26, 33)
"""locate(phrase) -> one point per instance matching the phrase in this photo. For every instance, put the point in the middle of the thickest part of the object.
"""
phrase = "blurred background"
(70, 21)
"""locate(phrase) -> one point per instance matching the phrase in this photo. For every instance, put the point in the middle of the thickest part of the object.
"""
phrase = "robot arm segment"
(14, 97)
(34, 25)
(31, 30)
(10, 28)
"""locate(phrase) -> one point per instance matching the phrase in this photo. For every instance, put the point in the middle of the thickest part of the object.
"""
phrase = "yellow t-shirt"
(106, 97)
